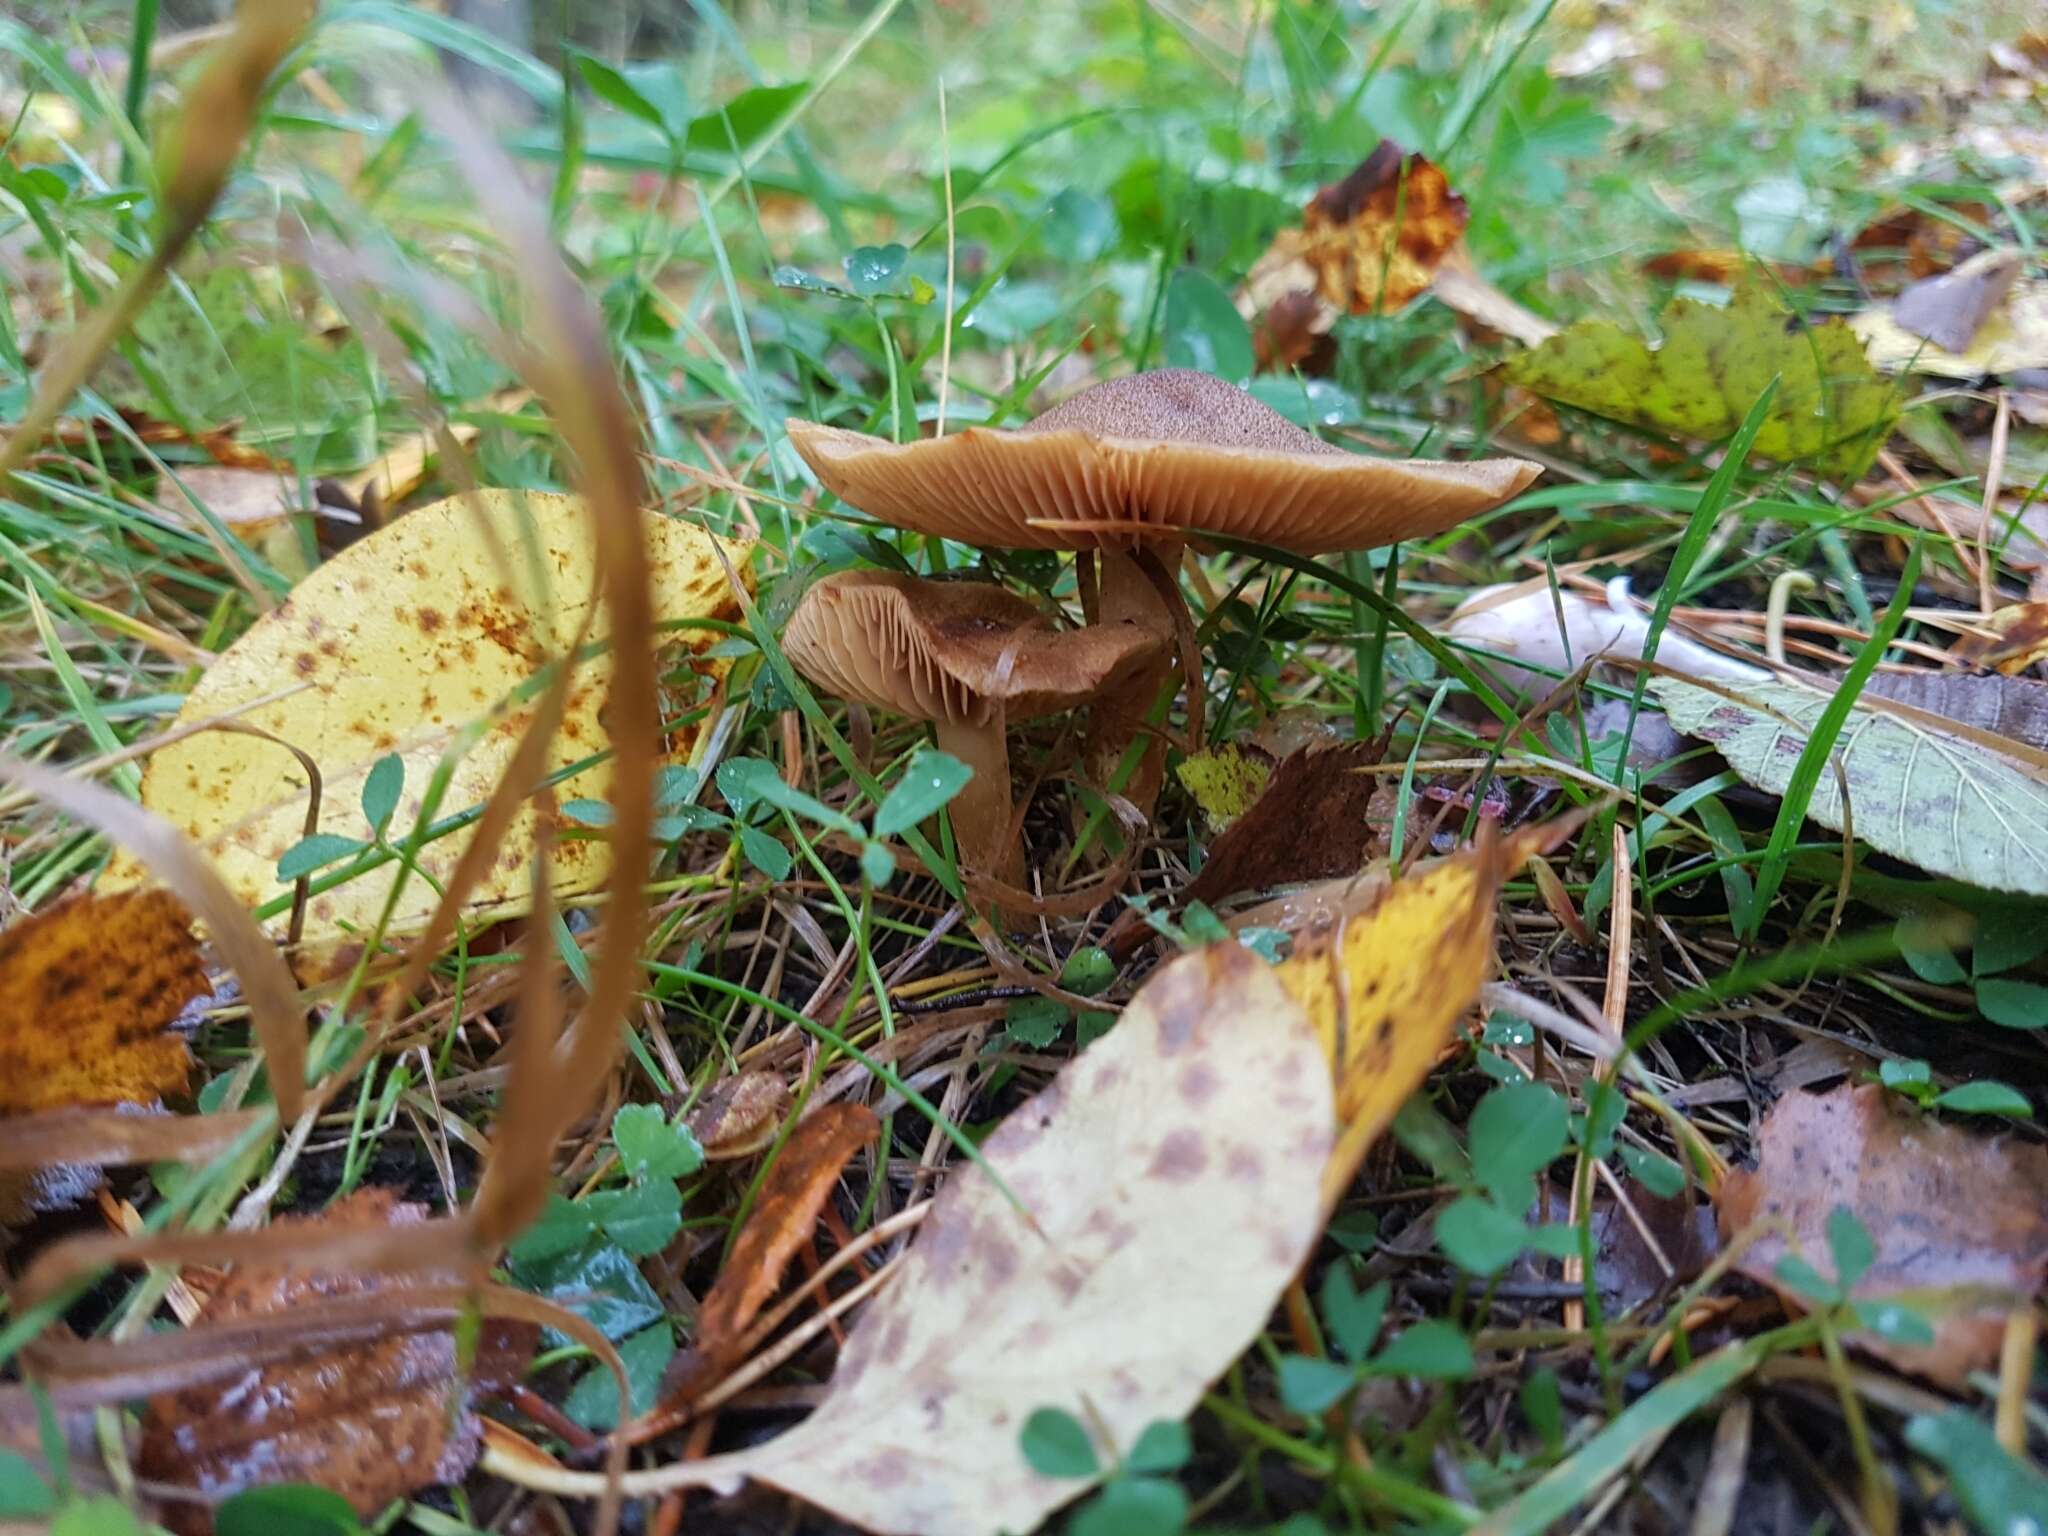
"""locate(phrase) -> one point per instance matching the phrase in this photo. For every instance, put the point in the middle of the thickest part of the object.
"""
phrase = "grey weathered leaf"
(2006, 706)
(1948, 802)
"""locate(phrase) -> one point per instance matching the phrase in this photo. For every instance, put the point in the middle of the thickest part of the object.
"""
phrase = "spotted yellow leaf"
(1385, 988)
(417, 637)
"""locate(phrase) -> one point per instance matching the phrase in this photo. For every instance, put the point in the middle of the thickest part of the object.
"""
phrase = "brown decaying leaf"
(1368, 244)
(371, 1421)
(1910, 243)
(218, 443)
(52, 1159)
(1949, 1211)
(2012, 707)
(2010, 640)
(1696, 266)
(1629, 1272)
(88, 991)
(737, 1116)
(795, 1191)
(1308, 824)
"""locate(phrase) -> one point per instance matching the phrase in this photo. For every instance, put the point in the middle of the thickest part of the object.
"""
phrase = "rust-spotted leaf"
(426, 630)
(88, 991)
(1188, 1143)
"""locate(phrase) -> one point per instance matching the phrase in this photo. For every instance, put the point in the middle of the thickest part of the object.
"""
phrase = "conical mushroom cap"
(952, 650)
(1152, 455)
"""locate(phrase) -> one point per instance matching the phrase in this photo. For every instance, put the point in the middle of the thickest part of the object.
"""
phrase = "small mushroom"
(1131, 467)
(968, 657)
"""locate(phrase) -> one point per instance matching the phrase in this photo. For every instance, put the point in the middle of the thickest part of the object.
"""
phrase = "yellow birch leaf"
(1385, 989)
(414, 635)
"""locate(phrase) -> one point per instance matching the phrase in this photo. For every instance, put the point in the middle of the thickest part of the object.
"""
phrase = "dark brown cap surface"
(1153, 456)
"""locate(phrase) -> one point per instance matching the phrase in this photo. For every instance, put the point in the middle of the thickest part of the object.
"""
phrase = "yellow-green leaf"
(1832, 410)
(1224, 782)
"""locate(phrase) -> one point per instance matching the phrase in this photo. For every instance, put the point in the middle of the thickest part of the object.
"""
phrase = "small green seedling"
(1515, 1133)
(591, 1247)
(381, 790)
(1853, 1252)
(757, 794)
(2004, 941)
(1914, 1080)
(1198, 927)
(1138, 1498)
(1037, 1021)
(1432, 1349)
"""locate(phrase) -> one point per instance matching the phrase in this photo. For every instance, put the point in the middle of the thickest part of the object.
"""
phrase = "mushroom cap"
(1152, 456)
(953, 651)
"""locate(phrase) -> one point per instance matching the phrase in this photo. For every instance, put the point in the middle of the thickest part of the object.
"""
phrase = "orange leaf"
(88, 991)
(793, 1194)
(1368, 244)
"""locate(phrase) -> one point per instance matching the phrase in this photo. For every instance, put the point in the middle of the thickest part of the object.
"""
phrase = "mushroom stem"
(1128, 596)
(981, 811)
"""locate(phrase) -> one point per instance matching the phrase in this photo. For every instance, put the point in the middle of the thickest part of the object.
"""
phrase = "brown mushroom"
(1137, 464)
(968, 657)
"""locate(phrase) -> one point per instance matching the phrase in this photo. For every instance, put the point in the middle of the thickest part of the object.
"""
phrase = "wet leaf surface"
(370, 1421)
